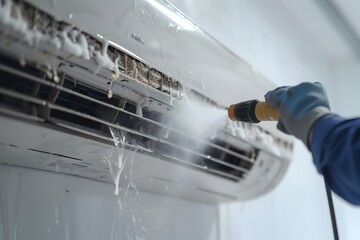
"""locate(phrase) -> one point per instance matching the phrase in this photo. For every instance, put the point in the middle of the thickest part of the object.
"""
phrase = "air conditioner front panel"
(59, 109)
(187, 54)
(42, 146)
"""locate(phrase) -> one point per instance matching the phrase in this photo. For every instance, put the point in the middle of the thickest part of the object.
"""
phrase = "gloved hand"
(299, 107)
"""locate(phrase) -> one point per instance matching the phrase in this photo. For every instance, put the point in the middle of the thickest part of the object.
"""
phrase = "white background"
(288, 42)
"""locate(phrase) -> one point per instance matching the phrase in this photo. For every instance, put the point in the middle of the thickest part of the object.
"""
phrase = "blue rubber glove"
(299, 107)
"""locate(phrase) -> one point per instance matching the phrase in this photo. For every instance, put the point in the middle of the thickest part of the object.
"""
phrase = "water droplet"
(70, 16)
(22, 61)
(178, 28)
(49, 74)
(56, 79)
(133, 218)
(213, 135)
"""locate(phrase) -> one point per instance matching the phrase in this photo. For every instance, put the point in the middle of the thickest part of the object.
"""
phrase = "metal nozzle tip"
(231, 112)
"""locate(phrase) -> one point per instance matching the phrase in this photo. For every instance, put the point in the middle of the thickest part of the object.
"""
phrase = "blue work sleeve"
(335, 147)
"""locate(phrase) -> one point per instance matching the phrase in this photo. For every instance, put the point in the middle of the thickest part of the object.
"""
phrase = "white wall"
(44, 205)
(263, 34)
(266, 36)
(345, 90)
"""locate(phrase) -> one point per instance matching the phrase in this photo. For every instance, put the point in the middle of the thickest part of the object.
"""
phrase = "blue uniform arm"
(335, 147)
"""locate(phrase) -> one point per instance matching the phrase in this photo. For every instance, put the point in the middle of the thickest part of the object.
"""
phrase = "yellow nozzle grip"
(264, 112)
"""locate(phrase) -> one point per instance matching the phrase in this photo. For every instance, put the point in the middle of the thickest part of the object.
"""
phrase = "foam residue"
(115, 76)
(74, 42)
(116, 164)
(17, 23)
(55, 42)
(102, 59)
(139, 107)
(133, 228)
(70, 40)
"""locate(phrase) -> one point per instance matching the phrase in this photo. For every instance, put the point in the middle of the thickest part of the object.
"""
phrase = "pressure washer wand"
(253, 111)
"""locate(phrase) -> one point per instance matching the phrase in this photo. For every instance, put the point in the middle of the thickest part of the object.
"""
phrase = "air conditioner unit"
(74, 81)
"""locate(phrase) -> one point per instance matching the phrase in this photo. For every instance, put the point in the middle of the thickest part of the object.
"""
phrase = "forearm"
(335, 146)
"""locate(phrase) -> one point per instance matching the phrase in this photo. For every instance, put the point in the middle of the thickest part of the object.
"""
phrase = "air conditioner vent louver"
(80, 106)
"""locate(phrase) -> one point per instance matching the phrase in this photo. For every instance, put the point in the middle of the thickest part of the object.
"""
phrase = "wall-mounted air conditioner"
(74, 81)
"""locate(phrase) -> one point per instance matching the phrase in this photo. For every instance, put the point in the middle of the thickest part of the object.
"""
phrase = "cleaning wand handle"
(252, 111)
